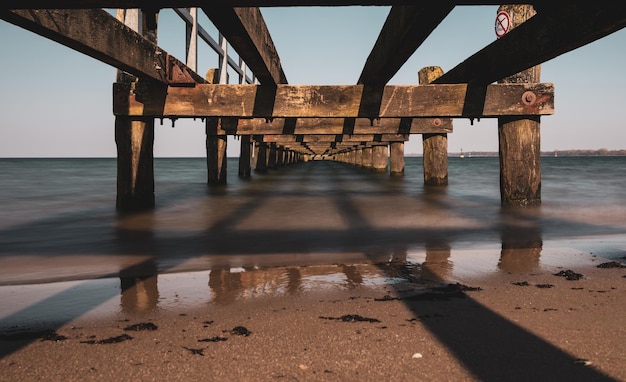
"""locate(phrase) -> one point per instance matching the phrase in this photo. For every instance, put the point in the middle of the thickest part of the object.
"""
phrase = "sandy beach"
(319, 273)
(547, 324)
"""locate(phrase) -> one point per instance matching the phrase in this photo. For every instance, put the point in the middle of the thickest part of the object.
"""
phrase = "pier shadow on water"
(289, 231)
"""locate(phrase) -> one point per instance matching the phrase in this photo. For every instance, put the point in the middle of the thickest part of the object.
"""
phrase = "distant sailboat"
(462, 155)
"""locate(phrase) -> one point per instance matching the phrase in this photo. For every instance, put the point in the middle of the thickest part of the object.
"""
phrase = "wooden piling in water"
(216, 145)
(135, 163)
(379, 158)
(366, 160)
(272, 156)
(260, 157)
(434, 145)
(519, 137)
(245, 157)
(396, 158)
(134, 138)
(358, 157)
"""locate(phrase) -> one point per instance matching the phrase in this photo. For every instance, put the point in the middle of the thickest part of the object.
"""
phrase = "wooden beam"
(245, 30)
(287, 101)
(404, 31)
(334, 126)
(553, 31)
(98, 34)
(310, 139)
(28, 4)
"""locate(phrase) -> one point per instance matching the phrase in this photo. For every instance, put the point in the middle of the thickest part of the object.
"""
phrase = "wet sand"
(415, 324)
(319, 273)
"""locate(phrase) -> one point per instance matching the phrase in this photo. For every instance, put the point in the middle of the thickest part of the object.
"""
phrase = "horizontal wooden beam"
(247, 33)
(97, 34)
(334, 126)
(554, 30)
(288, 101)
(26, 4)
(345, 138)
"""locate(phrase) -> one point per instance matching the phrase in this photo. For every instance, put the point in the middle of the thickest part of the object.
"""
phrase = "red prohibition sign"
(503, 24)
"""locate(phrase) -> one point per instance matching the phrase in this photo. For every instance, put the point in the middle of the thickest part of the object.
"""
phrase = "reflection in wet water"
(521, 239)
(142, 290)
(322, 225)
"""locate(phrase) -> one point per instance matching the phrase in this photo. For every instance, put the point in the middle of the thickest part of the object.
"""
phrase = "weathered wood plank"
(245, 30)
(553, 31)
(333, 138)
(405, 29)
(26, 4)
(335, 126)
(519, 138)
(434, 145)
(97, 34)
(288, 101)
(396, 159)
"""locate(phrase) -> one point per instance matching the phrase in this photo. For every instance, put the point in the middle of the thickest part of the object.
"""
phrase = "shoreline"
(505, 326)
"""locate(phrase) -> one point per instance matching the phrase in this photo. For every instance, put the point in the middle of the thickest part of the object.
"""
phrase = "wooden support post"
(261, 157)
(216, 157)
(134, 138)
(358, 154)
(135, 164)
(396, 158)
(215, 144)
(379, 158)
(245, 156)
(435, 145)
(272, 159)
(280, 156)
(367, 157)
(519, 137)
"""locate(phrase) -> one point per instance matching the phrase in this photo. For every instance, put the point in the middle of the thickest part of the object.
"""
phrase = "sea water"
(328, 222)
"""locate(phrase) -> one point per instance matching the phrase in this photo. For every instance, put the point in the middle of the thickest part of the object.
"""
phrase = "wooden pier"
(365, 124)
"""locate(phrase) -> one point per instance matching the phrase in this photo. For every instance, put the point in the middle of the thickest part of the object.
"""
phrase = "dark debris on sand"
(544, 286)
(141, 326)
(569, 275)
(611, 264)
(214, 339)
(351, 318)
(194, 351)
(110, 340)
(240, 331)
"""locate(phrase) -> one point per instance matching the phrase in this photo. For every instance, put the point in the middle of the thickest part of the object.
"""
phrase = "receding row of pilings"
(519, 150)
(390, 157)
(270, 156)
(258, 155)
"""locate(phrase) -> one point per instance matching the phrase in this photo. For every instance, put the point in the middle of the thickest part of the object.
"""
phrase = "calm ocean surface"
(59, 224)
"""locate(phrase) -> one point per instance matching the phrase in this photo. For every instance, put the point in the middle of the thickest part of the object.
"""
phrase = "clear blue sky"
(55, 102)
